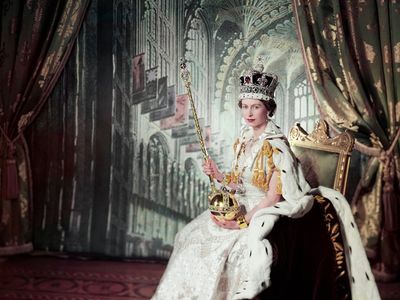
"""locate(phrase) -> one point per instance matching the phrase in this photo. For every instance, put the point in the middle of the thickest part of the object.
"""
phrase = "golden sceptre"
(221, 203)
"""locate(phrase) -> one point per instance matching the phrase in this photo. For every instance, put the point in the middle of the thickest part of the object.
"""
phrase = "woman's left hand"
(225, 224)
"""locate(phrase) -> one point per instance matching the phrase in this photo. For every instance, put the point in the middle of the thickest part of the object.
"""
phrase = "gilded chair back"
(325, 161)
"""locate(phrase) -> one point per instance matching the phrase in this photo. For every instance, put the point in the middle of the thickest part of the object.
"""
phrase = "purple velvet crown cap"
(255, 84)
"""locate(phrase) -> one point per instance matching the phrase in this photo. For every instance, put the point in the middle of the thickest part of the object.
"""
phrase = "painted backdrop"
(116, 167)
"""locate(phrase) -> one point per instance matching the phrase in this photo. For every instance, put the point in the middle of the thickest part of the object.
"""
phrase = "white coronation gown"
(213, 263)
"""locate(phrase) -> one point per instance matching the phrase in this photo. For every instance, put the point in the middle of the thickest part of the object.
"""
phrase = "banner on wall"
(157, 101)
(180, 117)
(195, 146)
(150, 91)
(189, 129)
(169, 111)
(138, 75)
(188, 139)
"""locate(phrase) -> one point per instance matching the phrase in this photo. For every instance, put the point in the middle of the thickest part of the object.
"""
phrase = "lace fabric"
(208, 261)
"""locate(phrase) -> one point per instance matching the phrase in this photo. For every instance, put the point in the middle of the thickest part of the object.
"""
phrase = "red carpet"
(50, 278)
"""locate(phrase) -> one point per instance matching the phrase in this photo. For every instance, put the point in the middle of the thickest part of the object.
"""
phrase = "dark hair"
(270, 105)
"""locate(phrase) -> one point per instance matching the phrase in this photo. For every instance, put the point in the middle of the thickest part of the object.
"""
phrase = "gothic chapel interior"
(99, 157)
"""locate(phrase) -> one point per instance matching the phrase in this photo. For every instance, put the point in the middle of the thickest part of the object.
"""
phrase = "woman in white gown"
(232, 259)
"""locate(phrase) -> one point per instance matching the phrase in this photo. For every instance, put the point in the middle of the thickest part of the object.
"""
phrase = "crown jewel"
(256, 84)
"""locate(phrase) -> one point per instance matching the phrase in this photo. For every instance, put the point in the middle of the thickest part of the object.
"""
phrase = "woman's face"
(254, 112)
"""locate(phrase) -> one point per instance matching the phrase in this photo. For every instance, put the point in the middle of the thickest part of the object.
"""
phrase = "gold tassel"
(260, 179)
(267, 149)
(261, 173)
(256, 170)
(268, 179)
(279, 183)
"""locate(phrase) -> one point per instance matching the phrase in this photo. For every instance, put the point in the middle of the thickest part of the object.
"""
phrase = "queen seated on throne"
(289, 241)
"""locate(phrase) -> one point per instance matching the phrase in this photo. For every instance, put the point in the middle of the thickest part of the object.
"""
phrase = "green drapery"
(352, 55)
(36, 38)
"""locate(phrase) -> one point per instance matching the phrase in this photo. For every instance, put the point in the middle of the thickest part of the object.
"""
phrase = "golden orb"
(223, 205)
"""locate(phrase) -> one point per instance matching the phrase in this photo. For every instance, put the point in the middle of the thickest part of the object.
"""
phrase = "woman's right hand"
(210, 168)
(225, 224)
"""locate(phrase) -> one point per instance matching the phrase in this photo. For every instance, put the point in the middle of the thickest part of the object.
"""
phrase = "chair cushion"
(319, 167)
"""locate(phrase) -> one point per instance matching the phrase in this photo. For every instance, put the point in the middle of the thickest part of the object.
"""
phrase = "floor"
(54, 278)
(51, 278)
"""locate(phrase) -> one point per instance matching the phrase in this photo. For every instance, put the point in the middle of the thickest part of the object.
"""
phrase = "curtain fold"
(36, 38)
(352, 55)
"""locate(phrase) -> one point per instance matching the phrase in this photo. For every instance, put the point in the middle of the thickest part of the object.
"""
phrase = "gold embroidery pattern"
(65, 31)
(370, 52)
(368, 214)
(396, 51)
(333, 229)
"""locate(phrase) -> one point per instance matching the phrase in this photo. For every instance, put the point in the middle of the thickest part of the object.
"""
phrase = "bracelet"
(226, 179)
(241, 220)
